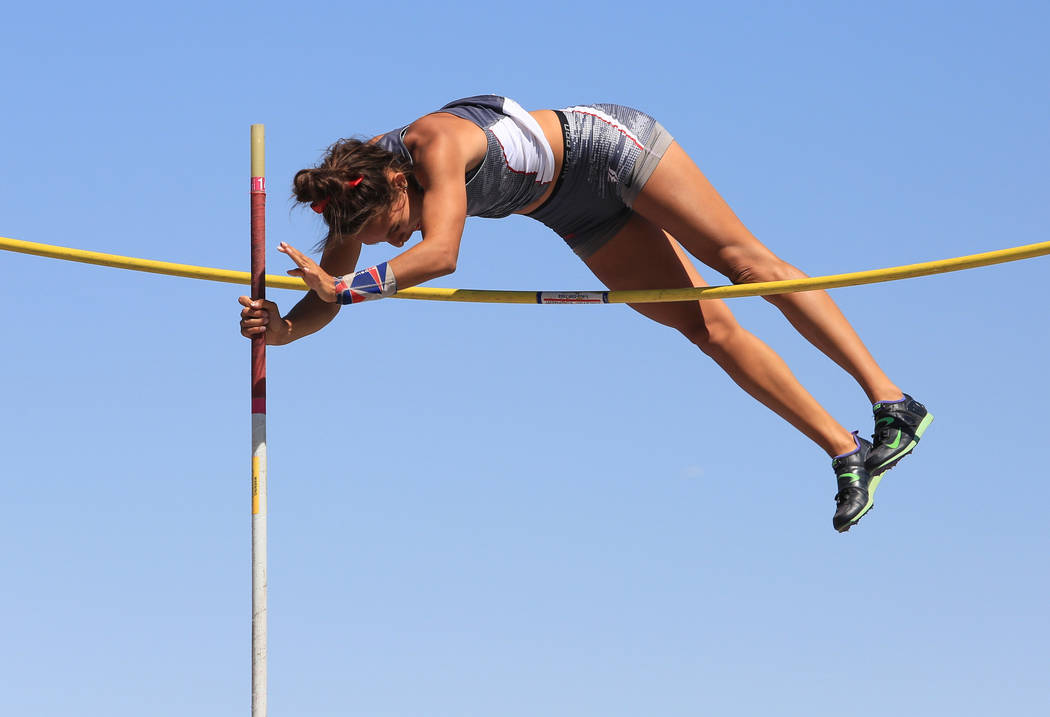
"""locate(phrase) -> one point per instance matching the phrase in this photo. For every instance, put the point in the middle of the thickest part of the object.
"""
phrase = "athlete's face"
(397, 224)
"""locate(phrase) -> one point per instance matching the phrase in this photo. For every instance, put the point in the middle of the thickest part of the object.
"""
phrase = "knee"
(711, 337)
(751, 267)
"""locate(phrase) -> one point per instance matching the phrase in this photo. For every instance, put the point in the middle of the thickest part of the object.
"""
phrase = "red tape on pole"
(258, 289)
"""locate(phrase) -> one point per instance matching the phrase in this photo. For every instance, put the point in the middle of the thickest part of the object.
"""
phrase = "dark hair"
(349, 207)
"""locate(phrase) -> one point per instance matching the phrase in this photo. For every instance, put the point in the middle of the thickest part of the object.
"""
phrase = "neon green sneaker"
(856, 486)
(898, 427)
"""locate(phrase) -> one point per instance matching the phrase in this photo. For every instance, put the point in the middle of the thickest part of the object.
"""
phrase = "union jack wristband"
(375, 282)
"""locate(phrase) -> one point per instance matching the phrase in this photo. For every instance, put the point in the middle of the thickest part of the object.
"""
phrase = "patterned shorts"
(610, 153)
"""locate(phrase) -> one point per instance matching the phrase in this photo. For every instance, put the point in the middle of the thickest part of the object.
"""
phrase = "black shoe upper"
(895, 426)
(853, 478)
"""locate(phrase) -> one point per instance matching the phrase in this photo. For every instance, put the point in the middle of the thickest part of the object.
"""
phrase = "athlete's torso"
(515, 167)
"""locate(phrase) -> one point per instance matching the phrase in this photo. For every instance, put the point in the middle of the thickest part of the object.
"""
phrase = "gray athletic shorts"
(610, 153)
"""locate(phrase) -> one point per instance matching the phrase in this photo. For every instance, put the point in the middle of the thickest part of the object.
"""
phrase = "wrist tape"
(374, 282)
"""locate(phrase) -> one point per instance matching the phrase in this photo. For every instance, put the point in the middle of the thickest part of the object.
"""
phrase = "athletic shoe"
(898, 427)
(856, 486)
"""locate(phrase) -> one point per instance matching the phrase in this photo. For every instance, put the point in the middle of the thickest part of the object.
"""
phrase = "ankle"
(885, 394)
(843, 445)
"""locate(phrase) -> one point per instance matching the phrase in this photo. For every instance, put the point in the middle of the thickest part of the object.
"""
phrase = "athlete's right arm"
(311, 313)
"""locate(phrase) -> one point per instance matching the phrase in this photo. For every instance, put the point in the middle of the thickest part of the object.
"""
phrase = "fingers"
(256, 307)
(304, 264)
(255, 316)
(250, 331)
(297, 256)
(316, 278)
(254, 327)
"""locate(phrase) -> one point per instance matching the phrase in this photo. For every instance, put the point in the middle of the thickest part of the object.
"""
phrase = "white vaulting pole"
(258, 291)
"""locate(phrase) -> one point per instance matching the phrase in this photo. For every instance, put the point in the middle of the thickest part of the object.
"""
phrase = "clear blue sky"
(562, 511)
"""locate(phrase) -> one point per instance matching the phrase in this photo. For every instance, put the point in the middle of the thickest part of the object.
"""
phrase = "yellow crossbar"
(644, 296)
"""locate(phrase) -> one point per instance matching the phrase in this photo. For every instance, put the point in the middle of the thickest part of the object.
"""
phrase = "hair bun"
(350, 185)
(314, 184)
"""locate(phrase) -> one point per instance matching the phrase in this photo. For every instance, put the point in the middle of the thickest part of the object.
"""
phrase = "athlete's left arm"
(441, 154)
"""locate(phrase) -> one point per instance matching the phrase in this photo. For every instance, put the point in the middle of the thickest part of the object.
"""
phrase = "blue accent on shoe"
(904, 397)
(856, 441)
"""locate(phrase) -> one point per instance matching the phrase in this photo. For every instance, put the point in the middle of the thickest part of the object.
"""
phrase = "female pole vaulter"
(613, 183)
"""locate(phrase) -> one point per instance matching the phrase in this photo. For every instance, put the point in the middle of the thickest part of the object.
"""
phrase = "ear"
(400, 181)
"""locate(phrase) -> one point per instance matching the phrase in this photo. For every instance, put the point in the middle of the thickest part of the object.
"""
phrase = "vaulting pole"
(258, 291)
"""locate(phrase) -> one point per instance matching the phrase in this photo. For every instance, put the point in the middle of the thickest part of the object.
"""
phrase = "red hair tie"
(320, 204)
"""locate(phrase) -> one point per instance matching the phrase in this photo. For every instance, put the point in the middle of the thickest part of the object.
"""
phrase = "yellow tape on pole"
(645, 296)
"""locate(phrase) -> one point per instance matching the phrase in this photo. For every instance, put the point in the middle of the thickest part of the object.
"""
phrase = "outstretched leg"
(679, 198)
(642, 256)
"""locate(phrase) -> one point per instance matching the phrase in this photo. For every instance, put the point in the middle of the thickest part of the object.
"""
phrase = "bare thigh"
(643, 256)
(679, 198)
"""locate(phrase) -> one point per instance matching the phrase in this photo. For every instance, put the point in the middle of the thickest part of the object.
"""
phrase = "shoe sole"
(923, 425)
(870, 504)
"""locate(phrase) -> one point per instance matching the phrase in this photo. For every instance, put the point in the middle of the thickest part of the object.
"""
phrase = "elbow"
(449, 266)
(444, 263)
(430, 260)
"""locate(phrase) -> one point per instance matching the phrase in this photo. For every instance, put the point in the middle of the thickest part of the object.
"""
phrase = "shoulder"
(446, 138)
(443, 128)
